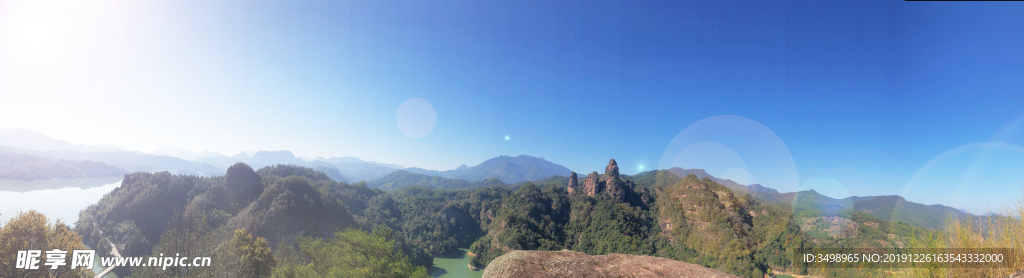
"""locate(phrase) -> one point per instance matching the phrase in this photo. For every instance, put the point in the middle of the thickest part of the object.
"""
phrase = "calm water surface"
(56, 198)
(454, 267)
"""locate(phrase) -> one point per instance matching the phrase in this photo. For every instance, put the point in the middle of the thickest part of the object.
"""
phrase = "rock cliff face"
(616, 189)
(611, 183)
(573, 183)
(608, 183)
(612, 170)
(645, 195)
(575, 264)
(591, 185)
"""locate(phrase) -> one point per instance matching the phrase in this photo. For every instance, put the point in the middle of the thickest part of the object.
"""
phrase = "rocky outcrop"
(616, 189)
(242, 184)
(575, 264)
(612, 170)
(591, 185)
(645, 195)
(611, 183)
(573, 183)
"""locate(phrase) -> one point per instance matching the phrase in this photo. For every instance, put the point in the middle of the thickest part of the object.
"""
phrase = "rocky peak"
(573, 183)
(612, 170)
(616, 189)
(591, 184)
(242, 184)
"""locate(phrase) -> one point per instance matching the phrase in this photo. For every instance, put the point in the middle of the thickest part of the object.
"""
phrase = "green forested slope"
(295, 209)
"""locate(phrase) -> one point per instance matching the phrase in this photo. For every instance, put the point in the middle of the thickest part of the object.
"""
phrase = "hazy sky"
(924, 99)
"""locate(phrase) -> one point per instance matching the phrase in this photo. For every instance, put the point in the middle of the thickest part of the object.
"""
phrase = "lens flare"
(416, 118)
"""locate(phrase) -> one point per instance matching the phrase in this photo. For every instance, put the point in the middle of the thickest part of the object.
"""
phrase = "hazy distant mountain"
(16, 140)
(185, 154)
(129, 161)
(353, 160)
(507, 169)
(348, 169)
(402, 178)
(333, 173)
(893, 208)
(342, 169)
(20, 138)
(28, 167)
(753, 189)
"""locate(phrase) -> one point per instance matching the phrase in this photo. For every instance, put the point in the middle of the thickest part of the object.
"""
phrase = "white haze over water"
(63, 203)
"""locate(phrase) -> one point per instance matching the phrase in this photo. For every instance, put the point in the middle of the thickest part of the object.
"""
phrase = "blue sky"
(863, 94)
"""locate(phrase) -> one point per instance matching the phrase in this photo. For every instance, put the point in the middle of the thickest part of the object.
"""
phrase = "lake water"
(56, 198)
(457, 267)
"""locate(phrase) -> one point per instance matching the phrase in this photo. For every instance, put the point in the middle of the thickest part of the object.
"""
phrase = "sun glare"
(57, 49)
(36, 38)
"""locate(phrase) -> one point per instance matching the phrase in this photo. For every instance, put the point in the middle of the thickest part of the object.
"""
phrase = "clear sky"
(924, 99)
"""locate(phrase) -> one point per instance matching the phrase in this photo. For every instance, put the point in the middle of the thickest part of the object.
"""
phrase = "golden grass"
(1005, 231)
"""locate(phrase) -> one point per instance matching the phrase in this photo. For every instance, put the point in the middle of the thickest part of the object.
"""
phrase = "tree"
(352, 253)
(187, 235)
(31, 231)
(247, 256)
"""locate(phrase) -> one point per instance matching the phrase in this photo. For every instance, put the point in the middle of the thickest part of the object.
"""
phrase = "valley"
(434, 219)
(430, 219)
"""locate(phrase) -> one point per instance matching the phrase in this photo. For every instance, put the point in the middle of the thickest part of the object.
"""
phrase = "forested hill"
(653, 213)
(149, 212)
(810, 203)
(28, 167)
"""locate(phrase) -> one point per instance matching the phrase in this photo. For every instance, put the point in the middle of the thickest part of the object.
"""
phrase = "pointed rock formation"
(591, 184)
(573, 183)
(612, 170)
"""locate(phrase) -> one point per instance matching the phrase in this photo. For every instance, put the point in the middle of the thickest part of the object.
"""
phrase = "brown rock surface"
(591, 185)
(575, 264)
(573, 183)
(616, 189)
(612, 170)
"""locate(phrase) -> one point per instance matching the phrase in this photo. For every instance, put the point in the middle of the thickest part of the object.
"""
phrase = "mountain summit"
(506, 168)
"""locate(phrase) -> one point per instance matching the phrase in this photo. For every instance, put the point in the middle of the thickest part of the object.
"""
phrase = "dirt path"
(113, 251)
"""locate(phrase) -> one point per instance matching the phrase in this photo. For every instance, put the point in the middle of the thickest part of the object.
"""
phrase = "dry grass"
(1006, 231)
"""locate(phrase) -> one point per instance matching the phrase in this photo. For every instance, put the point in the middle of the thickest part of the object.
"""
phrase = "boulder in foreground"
(575, 264)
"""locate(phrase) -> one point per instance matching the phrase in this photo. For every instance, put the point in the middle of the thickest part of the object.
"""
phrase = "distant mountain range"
(507, 169)
(347, 169)
(28, 167)
(48, 153)
(350, 169)
(810, 202)
(20, 138)
(403, 178)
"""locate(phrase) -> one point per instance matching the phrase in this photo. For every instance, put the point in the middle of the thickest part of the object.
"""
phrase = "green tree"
(247, 256)
(352, 253)
(31, 231)
(187, 235)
